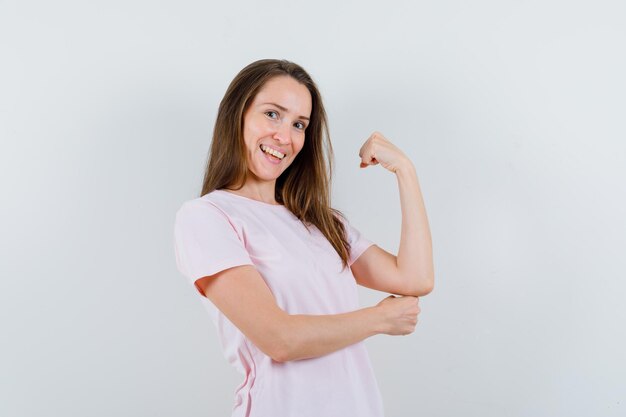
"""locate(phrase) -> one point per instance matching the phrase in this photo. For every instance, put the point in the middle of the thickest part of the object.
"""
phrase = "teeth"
(271, 151)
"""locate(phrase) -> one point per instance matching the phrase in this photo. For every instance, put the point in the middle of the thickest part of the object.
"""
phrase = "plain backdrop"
(512, 113)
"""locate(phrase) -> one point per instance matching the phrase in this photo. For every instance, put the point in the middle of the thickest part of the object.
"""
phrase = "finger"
(363, 148)
(365, 162)
(370, 158)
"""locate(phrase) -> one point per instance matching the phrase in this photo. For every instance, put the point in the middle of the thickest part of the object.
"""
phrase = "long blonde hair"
(304, 187)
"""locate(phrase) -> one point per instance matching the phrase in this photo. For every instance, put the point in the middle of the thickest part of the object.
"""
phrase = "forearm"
(415, 254)
(311, 336)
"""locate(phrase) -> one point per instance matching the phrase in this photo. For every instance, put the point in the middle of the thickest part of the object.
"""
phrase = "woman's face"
(276, 119)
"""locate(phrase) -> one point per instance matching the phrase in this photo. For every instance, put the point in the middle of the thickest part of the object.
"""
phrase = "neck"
(259, 192)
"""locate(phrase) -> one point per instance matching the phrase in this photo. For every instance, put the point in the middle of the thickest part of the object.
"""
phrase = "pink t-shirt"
(221, 230)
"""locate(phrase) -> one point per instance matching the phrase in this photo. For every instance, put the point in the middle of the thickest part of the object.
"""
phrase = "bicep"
(377, 269)
(242, 295)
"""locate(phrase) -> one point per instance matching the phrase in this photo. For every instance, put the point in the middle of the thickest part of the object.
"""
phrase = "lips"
(278, 150)
(284, 152)
(271, 158)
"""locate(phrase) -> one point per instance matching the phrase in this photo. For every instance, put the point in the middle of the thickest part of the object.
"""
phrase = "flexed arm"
(411, 272)
(415, 254)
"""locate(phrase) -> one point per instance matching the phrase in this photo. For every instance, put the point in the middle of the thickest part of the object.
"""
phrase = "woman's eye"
(300, 125)
(269, 113)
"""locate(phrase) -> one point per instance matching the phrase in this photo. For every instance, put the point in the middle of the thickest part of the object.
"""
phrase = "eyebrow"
(285, 109)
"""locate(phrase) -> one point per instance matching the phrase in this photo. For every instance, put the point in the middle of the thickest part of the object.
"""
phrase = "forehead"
(288, 93)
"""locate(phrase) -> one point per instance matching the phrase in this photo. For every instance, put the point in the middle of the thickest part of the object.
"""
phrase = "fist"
(378, 149)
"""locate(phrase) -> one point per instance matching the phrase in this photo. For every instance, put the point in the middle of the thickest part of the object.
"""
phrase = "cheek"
(299, 146)
(301, 141)
(252, 128)
(251, 136)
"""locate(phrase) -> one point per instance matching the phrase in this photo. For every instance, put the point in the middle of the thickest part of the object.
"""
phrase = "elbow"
(283, 353)
(290, 343)
(279, 347)
(279, 350)
(424, 287)
(428, 289)
(428, 281)
(429, 285)
(280, 356)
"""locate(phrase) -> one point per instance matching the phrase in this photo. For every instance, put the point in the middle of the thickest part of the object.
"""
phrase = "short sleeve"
(358, 242)
(206, 242)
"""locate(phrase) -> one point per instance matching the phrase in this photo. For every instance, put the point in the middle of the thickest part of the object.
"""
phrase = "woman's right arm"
(242, 295)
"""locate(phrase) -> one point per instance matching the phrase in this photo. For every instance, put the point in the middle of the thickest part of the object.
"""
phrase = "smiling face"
(276, 119)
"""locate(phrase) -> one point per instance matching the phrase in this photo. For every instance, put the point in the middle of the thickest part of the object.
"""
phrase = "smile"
(272, 152)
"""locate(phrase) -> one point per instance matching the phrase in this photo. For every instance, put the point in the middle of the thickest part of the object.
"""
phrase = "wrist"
(377, 320)
(406, 167)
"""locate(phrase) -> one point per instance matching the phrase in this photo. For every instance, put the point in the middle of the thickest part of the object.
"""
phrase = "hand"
(378, 149)
(399, 314)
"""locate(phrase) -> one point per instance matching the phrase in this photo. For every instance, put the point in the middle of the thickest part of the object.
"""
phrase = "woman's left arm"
(411, 272)
(415, 254)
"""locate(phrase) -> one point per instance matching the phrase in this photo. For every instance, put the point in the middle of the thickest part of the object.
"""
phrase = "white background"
(512, 112)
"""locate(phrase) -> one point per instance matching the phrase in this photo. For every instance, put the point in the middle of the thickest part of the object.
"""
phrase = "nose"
(283, 133)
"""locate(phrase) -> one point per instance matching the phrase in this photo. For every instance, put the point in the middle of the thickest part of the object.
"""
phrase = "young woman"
(277, 267)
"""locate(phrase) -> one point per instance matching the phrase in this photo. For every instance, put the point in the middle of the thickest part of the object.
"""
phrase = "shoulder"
(210, 203)
(206, 218)
(200, 212)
